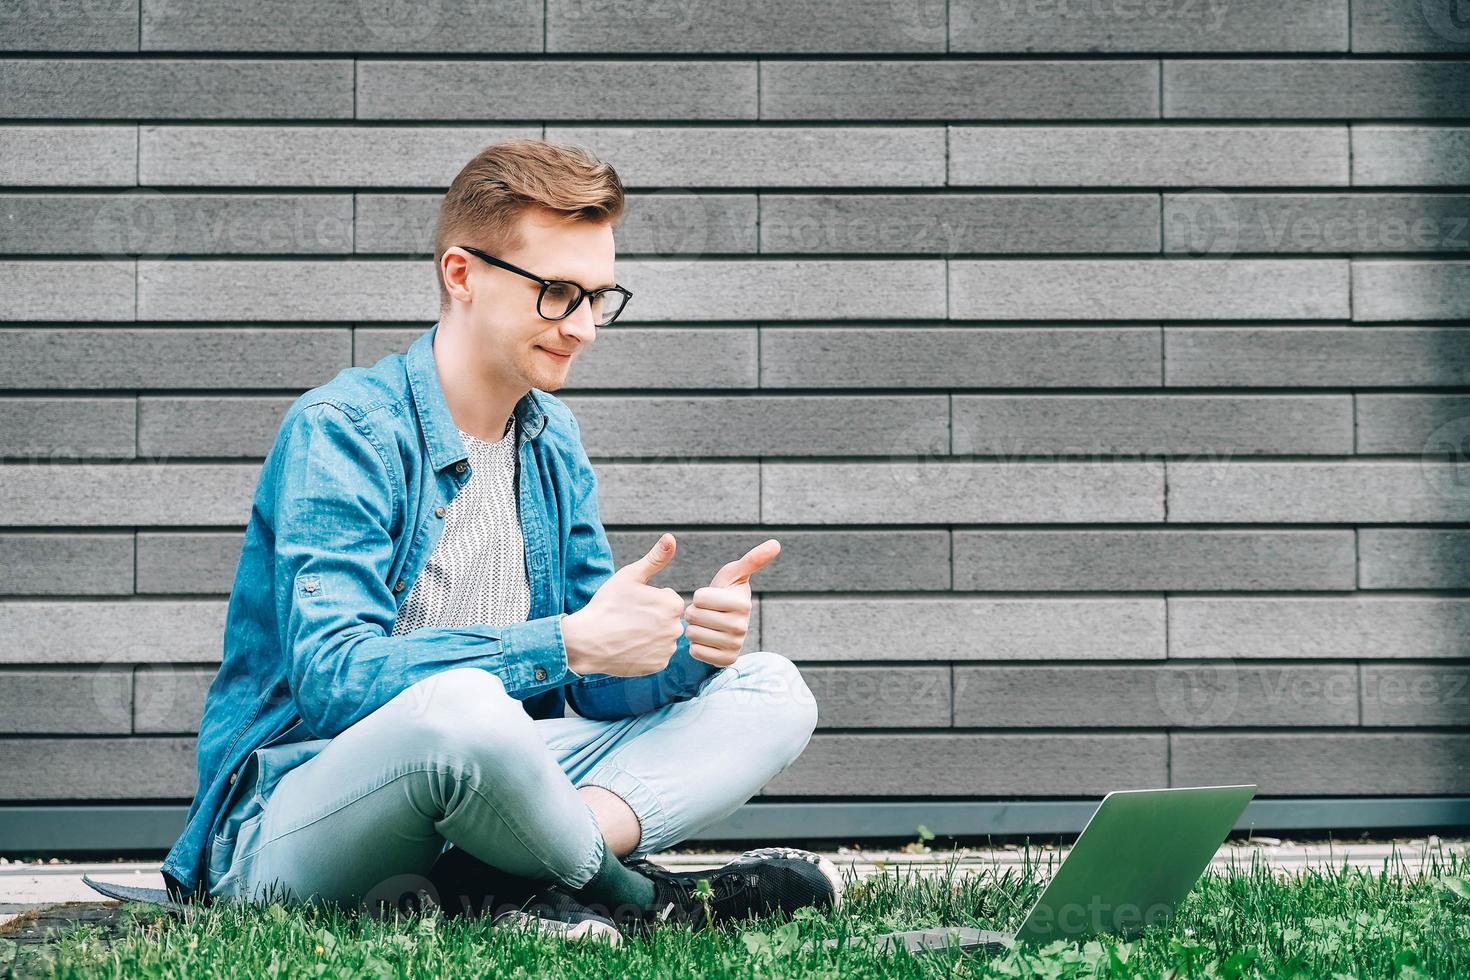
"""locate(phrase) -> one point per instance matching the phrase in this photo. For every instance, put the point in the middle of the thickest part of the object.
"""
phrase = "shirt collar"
(440, 432)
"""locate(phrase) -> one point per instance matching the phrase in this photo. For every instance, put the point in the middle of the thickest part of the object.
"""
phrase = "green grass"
(1244, 922)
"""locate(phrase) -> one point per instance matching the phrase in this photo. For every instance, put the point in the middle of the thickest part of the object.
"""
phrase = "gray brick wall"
(1103, 368)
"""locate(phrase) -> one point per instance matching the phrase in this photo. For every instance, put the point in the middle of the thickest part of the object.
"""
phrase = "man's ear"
(454, 272)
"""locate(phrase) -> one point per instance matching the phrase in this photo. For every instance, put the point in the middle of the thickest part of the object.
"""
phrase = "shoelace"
(727, 888)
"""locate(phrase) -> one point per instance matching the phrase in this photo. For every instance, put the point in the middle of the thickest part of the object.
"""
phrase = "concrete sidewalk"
(28, 886)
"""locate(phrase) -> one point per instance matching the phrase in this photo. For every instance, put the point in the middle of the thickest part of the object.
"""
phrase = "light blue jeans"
(454, 759)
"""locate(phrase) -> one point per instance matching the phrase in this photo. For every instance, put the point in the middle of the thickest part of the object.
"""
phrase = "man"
(426, 587)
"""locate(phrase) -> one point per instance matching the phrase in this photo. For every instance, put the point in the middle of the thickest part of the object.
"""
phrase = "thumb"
(650, 564)
(741, 569)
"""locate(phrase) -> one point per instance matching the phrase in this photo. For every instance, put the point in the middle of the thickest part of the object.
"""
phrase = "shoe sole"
(588, 929)
(828, 869)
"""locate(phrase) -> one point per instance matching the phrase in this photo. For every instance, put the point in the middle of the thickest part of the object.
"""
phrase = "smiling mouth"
(558, 356)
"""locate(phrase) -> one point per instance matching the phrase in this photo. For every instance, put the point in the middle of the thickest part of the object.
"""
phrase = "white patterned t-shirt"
(476, 574)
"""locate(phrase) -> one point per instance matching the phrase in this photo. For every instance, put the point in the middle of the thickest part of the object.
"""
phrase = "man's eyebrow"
(570, 279)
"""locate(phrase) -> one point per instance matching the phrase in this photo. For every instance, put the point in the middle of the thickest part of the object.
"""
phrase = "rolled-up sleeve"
(332, 516)
(589, 563)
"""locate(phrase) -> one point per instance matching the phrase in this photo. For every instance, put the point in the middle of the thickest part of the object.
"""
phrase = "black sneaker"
(758, 882)
(553, 912)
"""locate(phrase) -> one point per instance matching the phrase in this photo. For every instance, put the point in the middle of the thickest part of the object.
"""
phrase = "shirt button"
(540, 673)
(232, 777)
(460, 466)
(438, 511)
(399, 586)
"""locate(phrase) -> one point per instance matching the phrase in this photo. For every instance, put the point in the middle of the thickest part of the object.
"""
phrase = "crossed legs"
(456, 760)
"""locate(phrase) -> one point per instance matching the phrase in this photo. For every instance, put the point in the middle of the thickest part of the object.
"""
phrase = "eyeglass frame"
(547, 283)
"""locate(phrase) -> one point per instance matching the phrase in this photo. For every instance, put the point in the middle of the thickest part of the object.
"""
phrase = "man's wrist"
(571, 640)
(572, 673)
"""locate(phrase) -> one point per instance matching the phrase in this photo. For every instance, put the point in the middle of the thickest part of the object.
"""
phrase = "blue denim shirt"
(343, 520)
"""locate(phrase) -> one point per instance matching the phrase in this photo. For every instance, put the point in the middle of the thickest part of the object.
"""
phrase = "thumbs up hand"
(628, 628)
(719, 616)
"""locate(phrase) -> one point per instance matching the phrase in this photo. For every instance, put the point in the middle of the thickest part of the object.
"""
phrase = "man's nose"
(581, 324)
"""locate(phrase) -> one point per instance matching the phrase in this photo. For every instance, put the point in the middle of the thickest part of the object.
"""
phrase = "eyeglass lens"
(560, 298)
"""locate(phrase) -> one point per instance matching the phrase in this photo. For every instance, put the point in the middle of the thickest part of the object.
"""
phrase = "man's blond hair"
(486, 198)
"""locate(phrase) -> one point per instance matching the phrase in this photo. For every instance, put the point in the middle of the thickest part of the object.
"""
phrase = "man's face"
(519, 345)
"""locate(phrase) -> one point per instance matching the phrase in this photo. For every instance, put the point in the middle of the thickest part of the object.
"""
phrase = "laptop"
(1139, 855)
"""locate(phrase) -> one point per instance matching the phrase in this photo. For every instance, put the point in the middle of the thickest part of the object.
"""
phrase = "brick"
(1413, 558)
(925, 490)
(111, 632)
(680, 492)
(787, 425)
(965, 628)
(880, 697)
(685, 157)
(727, 26)
(1242, 25)
(1316, 357)
(1335, 764)
(1407, 290)
(125, 494)
(771, 289)
(1316, 89)
(43, 289)
(1349, 627)
(96, 701)
(62, 428)
(1412, 423)
(286, 290)
(1154, 560)
(471, 26)
(1145, 289)
(312, 155)
(70, 25)
(207, 425)
(110, 768)
(1016, 425)
(396, 223)
(1148, 156)
(1397, 156)
(556, 89)
(371, 344)
(66, 564)
(960, 357)
(188, 562)
(185, 88)
(1407, 25)
(1163, 695)
(933, 764)
(669, 222)
(810, 561)
(671, 357)
(946, 224)
(186, 357)
(629, 357)
(155, 224)
(75, 156)
(960, 90)
(1215, 223)
(1350, 492)
(1416, 695)
(169, 699)
(672, 222)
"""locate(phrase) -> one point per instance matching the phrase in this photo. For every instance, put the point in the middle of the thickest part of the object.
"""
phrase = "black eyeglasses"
(559, 297)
